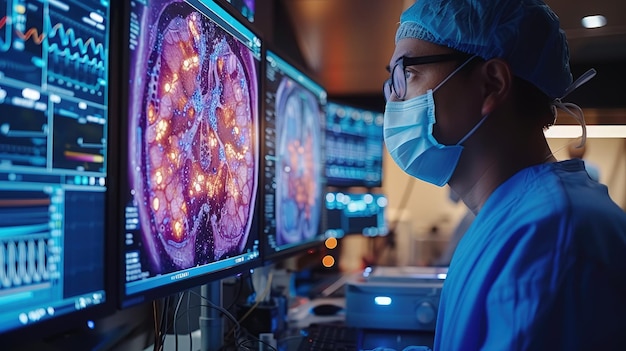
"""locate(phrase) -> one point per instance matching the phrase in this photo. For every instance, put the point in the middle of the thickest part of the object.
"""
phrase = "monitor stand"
(211, 324)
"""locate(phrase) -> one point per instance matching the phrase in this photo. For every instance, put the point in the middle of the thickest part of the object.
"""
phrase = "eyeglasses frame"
(390, 85)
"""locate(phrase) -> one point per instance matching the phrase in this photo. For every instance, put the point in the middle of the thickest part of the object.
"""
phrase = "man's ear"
(498, 82)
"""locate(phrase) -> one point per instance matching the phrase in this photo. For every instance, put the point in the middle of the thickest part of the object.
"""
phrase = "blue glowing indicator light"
(91, 324)
(382, 300)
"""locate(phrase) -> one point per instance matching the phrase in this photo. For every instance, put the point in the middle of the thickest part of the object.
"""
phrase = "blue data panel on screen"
(354, 143)
(53, 158)
(356, 213)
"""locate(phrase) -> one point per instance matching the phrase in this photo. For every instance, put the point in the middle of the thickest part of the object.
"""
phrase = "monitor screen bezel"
(79, 322)
(126, 300)
(270, 255)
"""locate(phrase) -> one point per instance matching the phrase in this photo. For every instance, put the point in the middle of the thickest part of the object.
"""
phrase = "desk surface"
(300, 316)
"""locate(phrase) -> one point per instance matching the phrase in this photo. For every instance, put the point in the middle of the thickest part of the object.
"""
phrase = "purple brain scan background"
(298, 170)
(192, 132)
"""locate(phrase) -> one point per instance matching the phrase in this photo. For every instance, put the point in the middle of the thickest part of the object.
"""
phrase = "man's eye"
(408, 75)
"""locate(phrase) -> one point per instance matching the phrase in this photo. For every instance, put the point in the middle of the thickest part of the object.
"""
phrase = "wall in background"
(429, 205)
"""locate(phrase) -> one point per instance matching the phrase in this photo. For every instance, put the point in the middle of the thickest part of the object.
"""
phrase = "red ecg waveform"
(67, 37)
(31, 33)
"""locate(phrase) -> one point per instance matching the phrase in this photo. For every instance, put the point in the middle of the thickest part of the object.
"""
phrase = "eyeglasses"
(397, 81)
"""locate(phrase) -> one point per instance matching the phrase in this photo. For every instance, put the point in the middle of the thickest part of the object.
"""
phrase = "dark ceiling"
(346, 44)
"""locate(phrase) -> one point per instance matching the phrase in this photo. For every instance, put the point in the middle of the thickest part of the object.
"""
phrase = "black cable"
(237, 326)
(164, 324)
(186, 314)
(156, 325)
(240, 281)
(244, 278)
(254, 339)
(251, 283)
(161, 331)
(174, 319)
(189, 322)
(240, 334)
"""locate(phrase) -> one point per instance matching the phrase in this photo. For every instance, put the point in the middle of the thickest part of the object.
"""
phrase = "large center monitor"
(293, 177)
(192, 151)
(54, 65)
(354, 144)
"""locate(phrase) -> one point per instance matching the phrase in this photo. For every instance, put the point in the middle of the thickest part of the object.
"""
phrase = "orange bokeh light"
(331, 243)
(328, 261)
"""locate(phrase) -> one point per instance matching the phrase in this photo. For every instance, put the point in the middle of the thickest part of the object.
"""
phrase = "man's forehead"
(411, 47)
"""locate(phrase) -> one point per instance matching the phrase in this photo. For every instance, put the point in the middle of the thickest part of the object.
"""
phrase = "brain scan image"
(192, 133)
(298, 170)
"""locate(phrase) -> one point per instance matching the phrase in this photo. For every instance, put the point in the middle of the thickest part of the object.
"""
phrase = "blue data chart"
(53, 159)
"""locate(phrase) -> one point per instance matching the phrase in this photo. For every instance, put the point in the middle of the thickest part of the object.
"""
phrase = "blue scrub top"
(543, 267)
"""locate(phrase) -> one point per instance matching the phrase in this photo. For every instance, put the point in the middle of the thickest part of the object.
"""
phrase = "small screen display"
(355, 213)
(354, 146)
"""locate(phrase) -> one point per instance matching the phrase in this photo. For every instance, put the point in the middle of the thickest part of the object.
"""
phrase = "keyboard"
(330, 337)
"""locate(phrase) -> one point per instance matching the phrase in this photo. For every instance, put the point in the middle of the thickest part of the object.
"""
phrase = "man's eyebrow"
(388, 68)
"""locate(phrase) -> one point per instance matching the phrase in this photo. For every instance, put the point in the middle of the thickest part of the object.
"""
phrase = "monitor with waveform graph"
(354, 140)
(54, 175)
(192, 154)
(293, 149)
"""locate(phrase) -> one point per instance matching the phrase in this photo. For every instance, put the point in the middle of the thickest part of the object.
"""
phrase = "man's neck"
(480, 172)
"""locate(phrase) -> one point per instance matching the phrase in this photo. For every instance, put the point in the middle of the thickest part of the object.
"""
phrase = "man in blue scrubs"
(473, 84)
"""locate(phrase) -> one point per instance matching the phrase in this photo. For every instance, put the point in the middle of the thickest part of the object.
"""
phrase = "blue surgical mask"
(408, 132)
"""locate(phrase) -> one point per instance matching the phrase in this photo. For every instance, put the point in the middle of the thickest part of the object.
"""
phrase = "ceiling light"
(595, 21)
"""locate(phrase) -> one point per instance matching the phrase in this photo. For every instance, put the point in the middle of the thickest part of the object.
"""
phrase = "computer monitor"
(244, 7)
(354, 146)
(54, 175)
(191, 154)
(356, 213)
(293, 175)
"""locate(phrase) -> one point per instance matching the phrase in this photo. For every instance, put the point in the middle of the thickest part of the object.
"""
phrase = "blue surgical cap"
(525, 33)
